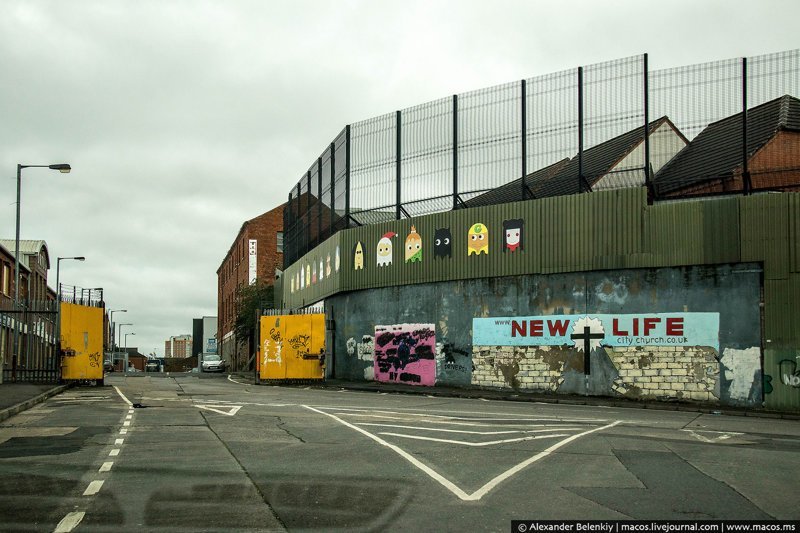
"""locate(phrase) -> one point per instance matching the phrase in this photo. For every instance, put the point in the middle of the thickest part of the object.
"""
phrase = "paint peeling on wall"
(742, 368)
(365, 351)
(405, 353)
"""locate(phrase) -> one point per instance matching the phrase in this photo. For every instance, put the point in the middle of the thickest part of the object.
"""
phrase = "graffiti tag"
(789, 374)
(300, 341)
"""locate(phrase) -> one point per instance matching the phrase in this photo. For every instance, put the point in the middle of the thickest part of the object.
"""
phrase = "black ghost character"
(513, 236)
(442, 243)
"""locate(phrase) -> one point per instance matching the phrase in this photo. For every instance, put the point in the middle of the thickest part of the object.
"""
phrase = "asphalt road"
(181, 453)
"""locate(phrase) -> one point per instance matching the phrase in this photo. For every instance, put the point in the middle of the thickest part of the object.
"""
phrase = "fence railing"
(610, 125)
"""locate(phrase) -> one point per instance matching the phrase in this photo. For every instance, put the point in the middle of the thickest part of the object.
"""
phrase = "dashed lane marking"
(114, 452)
(106, 466)
(69, 522)
(94, 487)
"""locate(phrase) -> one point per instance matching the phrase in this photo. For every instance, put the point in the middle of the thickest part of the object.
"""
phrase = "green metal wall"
(598, 231)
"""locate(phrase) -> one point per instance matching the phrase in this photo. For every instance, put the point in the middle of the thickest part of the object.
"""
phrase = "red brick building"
(178, 346)
(255, 255)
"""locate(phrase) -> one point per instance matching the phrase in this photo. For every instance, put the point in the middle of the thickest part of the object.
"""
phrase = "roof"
(512, 191)
(597, 161)
(717, 151)
(26, 247)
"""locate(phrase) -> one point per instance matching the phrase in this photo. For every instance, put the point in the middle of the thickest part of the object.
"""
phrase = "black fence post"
(648, 179)
(746, 183)
(307, 225)
(580, 129)
(332, 215)
(319, 201)
(347, 176)
(455, 151)
(397, 166)
(523, 185)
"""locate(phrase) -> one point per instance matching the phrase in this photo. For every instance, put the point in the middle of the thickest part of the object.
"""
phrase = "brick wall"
(234, 271)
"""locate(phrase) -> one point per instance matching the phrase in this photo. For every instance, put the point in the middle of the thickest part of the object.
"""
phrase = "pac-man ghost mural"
(478, 240)
(442, 243)
(302, 276)
(413, 247)
(358, 256)
(337, 258)
(513, 234)
(308, 275)
(328, 266)
(385, 249)
(314, 272)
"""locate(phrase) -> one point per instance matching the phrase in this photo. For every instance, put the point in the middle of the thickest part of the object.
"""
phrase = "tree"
(249, 300)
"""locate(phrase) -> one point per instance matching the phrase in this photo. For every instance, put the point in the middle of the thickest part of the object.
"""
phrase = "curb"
(27, 404)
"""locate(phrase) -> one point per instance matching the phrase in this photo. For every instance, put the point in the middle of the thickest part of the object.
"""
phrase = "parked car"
(152, 366)
(108, 366)
(213, 363)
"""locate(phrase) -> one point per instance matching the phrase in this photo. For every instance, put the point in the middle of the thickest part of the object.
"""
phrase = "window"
(6, 280)
(280, 241)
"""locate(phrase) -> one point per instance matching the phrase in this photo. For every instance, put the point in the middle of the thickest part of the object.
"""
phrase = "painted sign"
(252, 261)
(651, 329)
(405, 353)
(211, 345)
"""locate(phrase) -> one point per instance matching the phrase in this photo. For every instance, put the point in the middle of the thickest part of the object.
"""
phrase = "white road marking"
(123, 431)
(69, 522)
(126, 423)
(94, 487)
(478, 494)
(114, 452)
(118, 442)
(237, 382)
(126, 400)
(721, 435)
(555, 428)
(128, 417)
(474, 444)
(106, 466)
(232, 411)
(474, 418)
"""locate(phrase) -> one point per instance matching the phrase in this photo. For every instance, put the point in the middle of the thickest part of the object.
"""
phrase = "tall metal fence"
(604, 126)
(32, 327)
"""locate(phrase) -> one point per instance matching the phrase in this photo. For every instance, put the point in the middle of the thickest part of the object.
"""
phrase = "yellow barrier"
(81, 341)
(292, 347)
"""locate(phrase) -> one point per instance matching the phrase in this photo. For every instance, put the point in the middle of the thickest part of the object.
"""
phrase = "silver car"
(213, 363)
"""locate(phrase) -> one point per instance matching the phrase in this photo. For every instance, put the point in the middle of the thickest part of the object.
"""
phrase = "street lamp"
(126, 350)
(63, 168)
(111, 319)
(125, 369)
(58, 298)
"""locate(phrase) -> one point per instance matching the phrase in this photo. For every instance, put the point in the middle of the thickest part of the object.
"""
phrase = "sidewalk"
(18, 397)
(519, 396)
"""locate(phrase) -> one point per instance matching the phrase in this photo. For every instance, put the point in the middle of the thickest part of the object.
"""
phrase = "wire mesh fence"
(730, 126)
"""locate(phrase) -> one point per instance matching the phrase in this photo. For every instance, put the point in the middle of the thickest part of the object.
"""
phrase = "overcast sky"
(183, 119)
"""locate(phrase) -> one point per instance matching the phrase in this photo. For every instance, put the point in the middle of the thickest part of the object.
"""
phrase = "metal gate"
(28, 342)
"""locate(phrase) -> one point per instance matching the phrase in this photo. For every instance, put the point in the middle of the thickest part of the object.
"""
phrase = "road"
(189, 453)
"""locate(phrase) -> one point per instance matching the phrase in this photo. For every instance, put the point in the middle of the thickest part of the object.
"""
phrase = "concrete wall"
(729, 373)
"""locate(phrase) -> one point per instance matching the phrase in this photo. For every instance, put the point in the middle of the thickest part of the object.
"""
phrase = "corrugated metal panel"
(765, 232)
(794, 231)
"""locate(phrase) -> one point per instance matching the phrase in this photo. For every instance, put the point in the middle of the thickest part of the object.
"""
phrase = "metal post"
(580, 129)
(347, 176)
(308, 215)
(319, 200)
(16, 280)
(455, 151)
(58, 307)
(397, 165)
(648, 179)
(746, 183)
(332, 215)
(524, 131)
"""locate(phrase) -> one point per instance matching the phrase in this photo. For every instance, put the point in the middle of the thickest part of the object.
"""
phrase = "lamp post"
(111, 319)
(64, 169)
(126, 349)
(125, 369)
(58, 298)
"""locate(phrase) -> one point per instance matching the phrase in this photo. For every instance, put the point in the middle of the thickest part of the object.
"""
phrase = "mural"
(364, 351)
(292, 285)
(358, 256)
(413, 247)
(321, 270)
(337, 258)
(314, 272)
(385, 249)
(478, 240)
(658, 356)
(405, 353)
(302, 276)
(442, 243)
(328, 266)
(514, 236)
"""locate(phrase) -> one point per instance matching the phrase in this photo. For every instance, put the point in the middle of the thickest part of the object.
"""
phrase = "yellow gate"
(292, 347)
(81, 342)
